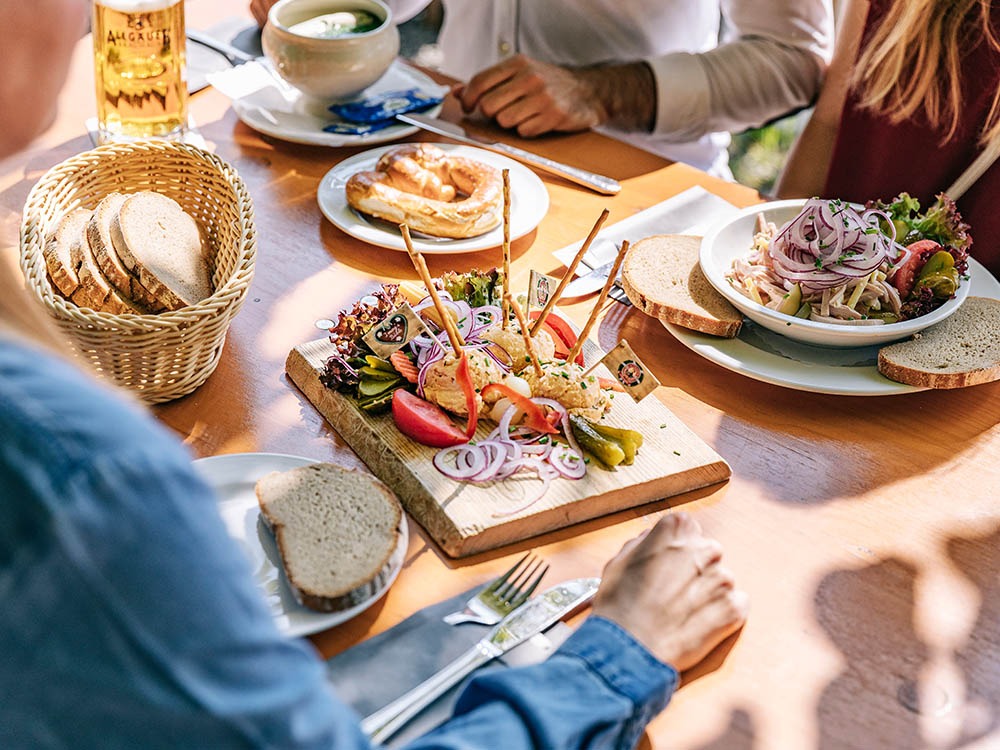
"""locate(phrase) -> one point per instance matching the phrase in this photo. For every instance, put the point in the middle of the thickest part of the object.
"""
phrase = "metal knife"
(232, 54)
(599, 183)
(590, 282)
(529, 619)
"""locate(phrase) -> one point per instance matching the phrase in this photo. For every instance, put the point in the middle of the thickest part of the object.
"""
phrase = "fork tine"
(521, 598)
(510, 591)
(493, 587)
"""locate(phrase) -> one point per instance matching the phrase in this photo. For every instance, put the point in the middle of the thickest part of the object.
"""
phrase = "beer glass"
(140, 70)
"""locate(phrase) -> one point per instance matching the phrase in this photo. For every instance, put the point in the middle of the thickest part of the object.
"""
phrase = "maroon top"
(873, 158)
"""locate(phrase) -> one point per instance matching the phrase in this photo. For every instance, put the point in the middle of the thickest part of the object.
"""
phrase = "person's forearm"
(808, 161)
(599, 689)
(627, 93)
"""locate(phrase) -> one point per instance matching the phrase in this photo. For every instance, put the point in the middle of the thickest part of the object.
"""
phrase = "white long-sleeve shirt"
(720, 66)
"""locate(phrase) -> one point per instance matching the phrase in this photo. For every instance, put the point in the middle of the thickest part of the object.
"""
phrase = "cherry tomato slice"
(424, 422)
(906, 275)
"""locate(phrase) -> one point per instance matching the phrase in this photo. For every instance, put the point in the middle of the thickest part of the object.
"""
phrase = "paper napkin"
(379, 670)
(692, 212)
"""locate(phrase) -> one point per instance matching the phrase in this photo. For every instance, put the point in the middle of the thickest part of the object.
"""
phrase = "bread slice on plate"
(159, 243)
(336, 530)
(59, 261)
(662, 277)
(962, 350)
(99, 236)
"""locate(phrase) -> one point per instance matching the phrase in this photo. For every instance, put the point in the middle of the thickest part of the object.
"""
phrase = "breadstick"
(506, 248)
(528, 344)
(601, 298)
(569, 273)
(421, 265)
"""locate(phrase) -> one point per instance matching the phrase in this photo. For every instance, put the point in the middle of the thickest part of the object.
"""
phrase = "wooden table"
(866, 530)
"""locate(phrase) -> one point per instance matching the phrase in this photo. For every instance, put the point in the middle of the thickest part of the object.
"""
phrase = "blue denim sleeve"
(598, 690)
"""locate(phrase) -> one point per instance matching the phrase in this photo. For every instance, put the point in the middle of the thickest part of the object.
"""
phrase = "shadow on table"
(851, 445)
(884, 696)
(979, 659)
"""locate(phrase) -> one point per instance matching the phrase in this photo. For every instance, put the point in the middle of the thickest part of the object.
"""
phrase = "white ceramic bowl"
(732, 239)
(327, 70)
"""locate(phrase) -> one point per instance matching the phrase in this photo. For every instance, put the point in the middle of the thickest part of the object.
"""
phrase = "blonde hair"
(23, 316)
(912, 62)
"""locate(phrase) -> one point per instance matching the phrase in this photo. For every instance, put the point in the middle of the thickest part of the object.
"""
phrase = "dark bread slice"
(962, 350)
(160, 243)
(662, 277)
(336, 530)
(59, 261)
(99, 236)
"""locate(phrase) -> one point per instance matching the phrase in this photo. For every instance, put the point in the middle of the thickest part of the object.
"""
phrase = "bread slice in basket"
(58, 252)
(336, 530)
(159, 243)
(94, 290)
(99, 236)
(662, 277)
(962, 350)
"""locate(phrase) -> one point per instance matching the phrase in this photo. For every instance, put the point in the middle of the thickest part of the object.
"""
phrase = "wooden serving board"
(465, 518)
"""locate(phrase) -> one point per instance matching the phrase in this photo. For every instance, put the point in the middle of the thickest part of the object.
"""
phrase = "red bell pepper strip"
(464, 378)
(534, 415)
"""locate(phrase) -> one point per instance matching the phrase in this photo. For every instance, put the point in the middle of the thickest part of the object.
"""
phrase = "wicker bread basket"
(165, 356)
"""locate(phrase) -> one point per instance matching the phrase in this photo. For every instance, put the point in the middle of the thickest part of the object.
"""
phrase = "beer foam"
(138, 6)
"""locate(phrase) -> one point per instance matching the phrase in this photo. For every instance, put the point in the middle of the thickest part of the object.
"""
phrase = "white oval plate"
(772, 358)
(272, 113)
(233, 477)
(529, 202)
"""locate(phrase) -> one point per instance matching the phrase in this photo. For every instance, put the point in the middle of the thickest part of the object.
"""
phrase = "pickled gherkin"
(604, 449)
(609, 445)
(629, 440)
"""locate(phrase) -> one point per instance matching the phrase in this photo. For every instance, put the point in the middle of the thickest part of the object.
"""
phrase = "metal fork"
(504, 595)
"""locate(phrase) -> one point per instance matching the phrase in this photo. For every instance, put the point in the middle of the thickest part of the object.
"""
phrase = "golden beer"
(140, 70)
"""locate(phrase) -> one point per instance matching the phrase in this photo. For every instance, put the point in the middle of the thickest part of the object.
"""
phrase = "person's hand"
(533, 97)
(670, 591)
(259, 9)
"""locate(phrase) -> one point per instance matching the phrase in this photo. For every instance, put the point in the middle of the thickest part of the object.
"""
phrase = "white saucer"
(233, 477)
(528, 196)
(769, 357)
(280, 112)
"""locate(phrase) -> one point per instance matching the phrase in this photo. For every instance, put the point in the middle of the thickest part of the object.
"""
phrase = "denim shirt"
(130, 619)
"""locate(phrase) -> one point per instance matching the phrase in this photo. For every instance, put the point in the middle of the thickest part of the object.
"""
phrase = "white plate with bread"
(528, 196)
(769, 357)
(378, 545)
(662, 278)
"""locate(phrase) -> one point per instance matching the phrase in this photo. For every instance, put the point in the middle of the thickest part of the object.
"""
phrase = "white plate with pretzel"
(529, 202)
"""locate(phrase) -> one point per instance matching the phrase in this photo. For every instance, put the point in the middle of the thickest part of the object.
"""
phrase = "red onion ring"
(828, 243)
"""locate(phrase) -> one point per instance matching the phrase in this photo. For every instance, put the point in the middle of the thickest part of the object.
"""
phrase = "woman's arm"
(809, 160)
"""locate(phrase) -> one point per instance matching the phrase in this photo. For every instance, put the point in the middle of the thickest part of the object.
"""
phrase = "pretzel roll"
(420, 185)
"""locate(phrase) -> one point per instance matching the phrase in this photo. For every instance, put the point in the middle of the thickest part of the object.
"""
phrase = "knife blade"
(528, 620)
(590, 282)
(596, 182)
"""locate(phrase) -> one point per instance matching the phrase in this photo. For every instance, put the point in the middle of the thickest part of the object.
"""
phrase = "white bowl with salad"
(830, 273)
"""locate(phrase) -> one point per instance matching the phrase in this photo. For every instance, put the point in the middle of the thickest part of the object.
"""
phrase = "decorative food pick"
(629, 370)
(506, 247)
(540, 289)
(418, 262)
(601, 298)
(569, 273)
(528, 343)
